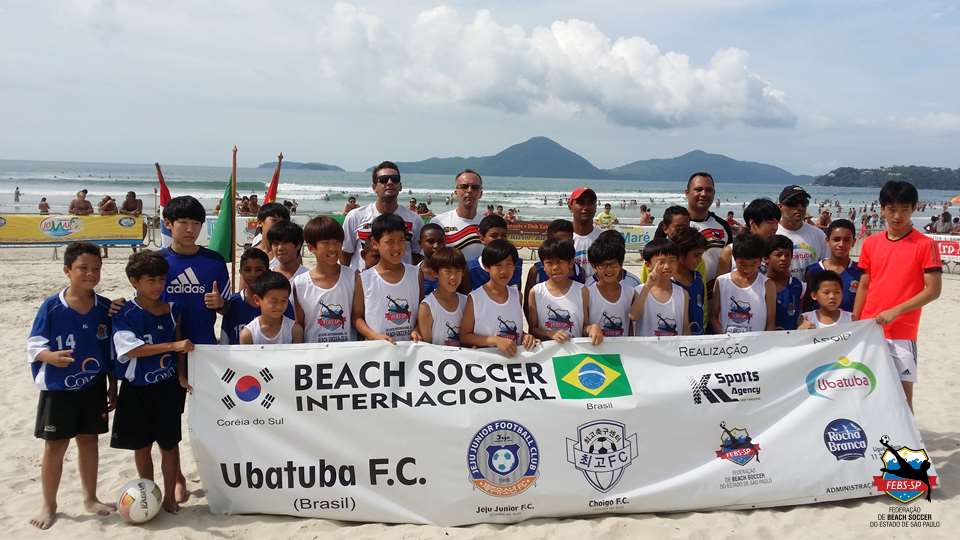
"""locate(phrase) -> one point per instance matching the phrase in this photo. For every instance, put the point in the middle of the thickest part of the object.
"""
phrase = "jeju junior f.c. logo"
(503, 458)
(820, 383)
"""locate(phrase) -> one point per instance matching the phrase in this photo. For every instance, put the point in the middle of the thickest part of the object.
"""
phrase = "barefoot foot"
(96, 507)
(45, 518)
(170, 505)
(180, 491)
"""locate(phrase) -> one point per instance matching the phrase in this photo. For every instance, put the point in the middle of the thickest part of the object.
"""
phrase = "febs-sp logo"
(503, 458)
(602, 451)
(845, 439)
(906, 473)
(590, 376)
(840, 376)
(737, 446)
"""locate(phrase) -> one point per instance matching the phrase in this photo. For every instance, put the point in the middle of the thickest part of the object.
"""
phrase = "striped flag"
(166, 237)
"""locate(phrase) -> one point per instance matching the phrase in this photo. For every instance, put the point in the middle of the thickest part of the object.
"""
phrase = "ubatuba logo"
(331, 317)
(825, 379)
(398, 311)
(247, 388)
(845, 439)
(906, 473)
(602, 451)
(503, 459)
(737, 446)
(60, 226)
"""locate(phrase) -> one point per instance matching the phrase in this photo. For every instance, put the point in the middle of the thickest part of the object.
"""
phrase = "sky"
(805, 85)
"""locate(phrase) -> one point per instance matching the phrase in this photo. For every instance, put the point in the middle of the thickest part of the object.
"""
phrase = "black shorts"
(62, 414)
(147, 414)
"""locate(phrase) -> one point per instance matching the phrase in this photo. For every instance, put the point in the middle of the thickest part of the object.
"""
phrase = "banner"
(527, 234)
(28, 229)
(636, 236)
(948, 245)
(415, 433)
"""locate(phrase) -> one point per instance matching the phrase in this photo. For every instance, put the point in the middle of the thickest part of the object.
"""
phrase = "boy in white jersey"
(440, 313)
(825, 288)
(286, 241)
(607, 312)
(271, 292)
(381, 305)
(744, 300)
(556, 308)
(493, 316)
(660, 305)
(323, 297)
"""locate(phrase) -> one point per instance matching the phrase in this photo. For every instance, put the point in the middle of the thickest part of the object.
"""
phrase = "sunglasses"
(469, 187)
(383, 179)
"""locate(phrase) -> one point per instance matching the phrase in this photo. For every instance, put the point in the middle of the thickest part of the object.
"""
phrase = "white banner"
(415, 433)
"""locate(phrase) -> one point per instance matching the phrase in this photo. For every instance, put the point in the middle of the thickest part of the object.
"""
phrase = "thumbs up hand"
(212, 299)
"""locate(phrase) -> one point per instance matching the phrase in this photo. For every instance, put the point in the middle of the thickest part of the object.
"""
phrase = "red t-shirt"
(896, 269)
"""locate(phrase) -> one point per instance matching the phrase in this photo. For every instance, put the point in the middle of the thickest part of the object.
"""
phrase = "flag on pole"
(221, 239)
(271, 195)
(166, 237)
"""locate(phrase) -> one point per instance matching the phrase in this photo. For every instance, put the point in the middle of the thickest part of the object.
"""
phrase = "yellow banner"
(26, 229)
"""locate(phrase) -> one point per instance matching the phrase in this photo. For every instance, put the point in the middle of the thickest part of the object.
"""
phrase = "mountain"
(921, 177)
(722, 168)
(299, 165)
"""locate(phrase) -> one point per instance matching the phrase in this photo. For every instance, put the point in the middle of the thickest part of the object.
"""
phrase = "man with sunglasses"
(809, 242)
(356, 225)
(461, 225)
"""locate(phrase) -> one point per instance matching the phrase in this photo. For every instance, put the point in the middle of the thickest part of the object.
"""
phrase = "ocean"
(326, 191)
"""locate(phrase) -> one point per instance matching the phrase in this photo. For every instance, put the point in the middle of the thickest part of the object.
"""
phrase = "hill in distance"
(920, 177)
(300, 165)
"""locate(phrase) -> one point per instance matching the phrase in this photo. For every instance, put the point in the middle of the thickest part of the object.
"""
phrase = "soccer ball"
(139, 501)
(602, 445)
(503, 460)
(884, 439)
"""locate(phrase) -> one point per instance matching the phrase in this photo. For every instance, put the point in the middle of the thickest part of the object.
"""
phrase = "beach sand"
(32, 274)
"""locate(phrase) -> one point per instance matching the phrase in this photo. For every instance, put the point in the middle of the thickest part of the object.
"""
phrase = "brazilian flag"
(591, 376)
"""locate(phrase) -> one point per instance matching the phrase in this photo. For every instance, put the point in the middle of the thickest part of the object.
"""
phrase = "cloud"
(938, 123)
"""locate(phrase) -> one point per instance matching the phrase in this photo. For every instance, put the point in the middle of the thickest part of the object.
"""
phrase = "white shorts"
(904, 353)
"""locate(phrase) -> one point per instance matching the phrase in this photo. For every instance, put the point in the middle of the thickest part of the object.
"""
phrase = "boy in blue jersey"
(789, 288)
(241, 308)
(692, 245)
(70, 357)
(146, 338)
(841, 236)
(491, 228)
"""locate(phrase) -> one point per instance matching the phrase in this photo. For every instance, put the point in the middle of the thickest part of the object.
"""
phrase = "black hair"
(76, 249)
(270, 281)
(491, 222)
(559, 225)
(815, 280)
(759, 211)
(254, 253)
(749, 246)
(146, 263)
(779, 241)
(699, 173)
(606, 248)
(842, 224)
(498, 250)
(285, 231)
(688, 239)
(383, 165)
(446, 257)
(184, 207)
(660, 246)
(675, 210)
(322, 228)
(553, 248)
(274, 210)
(612, 235)
(386, 223)
(432, 227)
(898, 192)
(467, 171)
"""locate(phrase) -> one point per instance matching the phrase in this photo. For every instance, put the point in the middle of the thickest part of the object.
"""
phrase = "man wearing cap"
(809, 242)
(461, 225)
(700, 193)
(583, 205)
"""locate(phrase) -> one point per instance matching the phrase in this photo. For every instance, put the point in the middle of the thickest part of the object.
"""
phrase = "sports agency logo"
(508, 329)
(186, 283)
(737, 446)
(89, 370)
(247, 388)
(601, 451)
(558, 319)
(165, 371)
(845, 439)
(453, 335)
(742, 386)
(739, 311)
(331, 317)
(905, 473)
(666, 326)
(819, 380)
(503, 458)
(591, 376)
(611, 325)
(398, 311)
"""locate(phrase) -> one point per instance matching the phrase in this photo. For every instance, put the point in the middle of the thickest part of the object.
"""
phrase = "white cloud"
(938, 123)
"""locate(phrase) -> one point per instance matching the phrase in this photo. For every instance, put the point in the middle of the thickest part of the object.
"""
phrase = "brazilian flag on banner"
(591, 376)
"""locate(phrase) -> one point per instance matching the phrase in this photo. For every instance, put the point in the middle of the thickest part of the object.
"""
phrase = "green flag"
(221, 239)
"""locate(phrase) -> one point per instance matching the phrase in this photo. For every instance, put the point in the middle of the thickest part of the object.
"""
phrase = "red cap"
(579, 192)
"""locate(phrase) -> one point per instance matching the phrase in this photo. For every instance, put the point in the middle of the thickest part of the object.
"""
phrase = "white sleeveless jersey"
(326, 312)
(391, 308)
(613, 317)
(845, 317)
(446, 324)
(495, 319)
(555, 313)
(662, 318)
(285, 335)
(742, 310)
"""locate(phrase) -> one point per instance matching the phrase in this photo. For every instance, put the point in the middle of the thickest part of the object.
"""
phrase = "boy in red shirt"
(901, 274)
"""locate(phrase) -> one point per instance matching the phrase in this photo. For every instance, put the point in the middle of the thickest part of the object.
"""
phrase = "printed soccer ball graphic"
(503, 460)
(602, 445)
(884, 440)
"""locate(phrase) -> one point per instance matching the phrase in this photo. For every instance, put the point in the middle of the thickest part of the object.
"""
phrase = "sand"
(32, 274)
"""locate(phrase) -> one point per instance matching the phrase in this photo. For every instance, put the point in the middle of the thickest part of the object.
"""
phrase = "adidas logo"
(186, 283)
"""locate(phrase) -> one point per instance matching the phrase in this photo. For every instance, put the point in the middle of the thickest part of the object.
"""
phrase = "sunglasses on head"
(465, 187)
(384, 178)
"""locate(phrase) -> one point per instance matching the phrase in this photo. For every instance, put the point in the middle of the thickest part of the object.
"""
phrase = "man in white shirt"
(461, 225)
(809, 242)
(356, 226)
(700, 193)
(583, 207)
